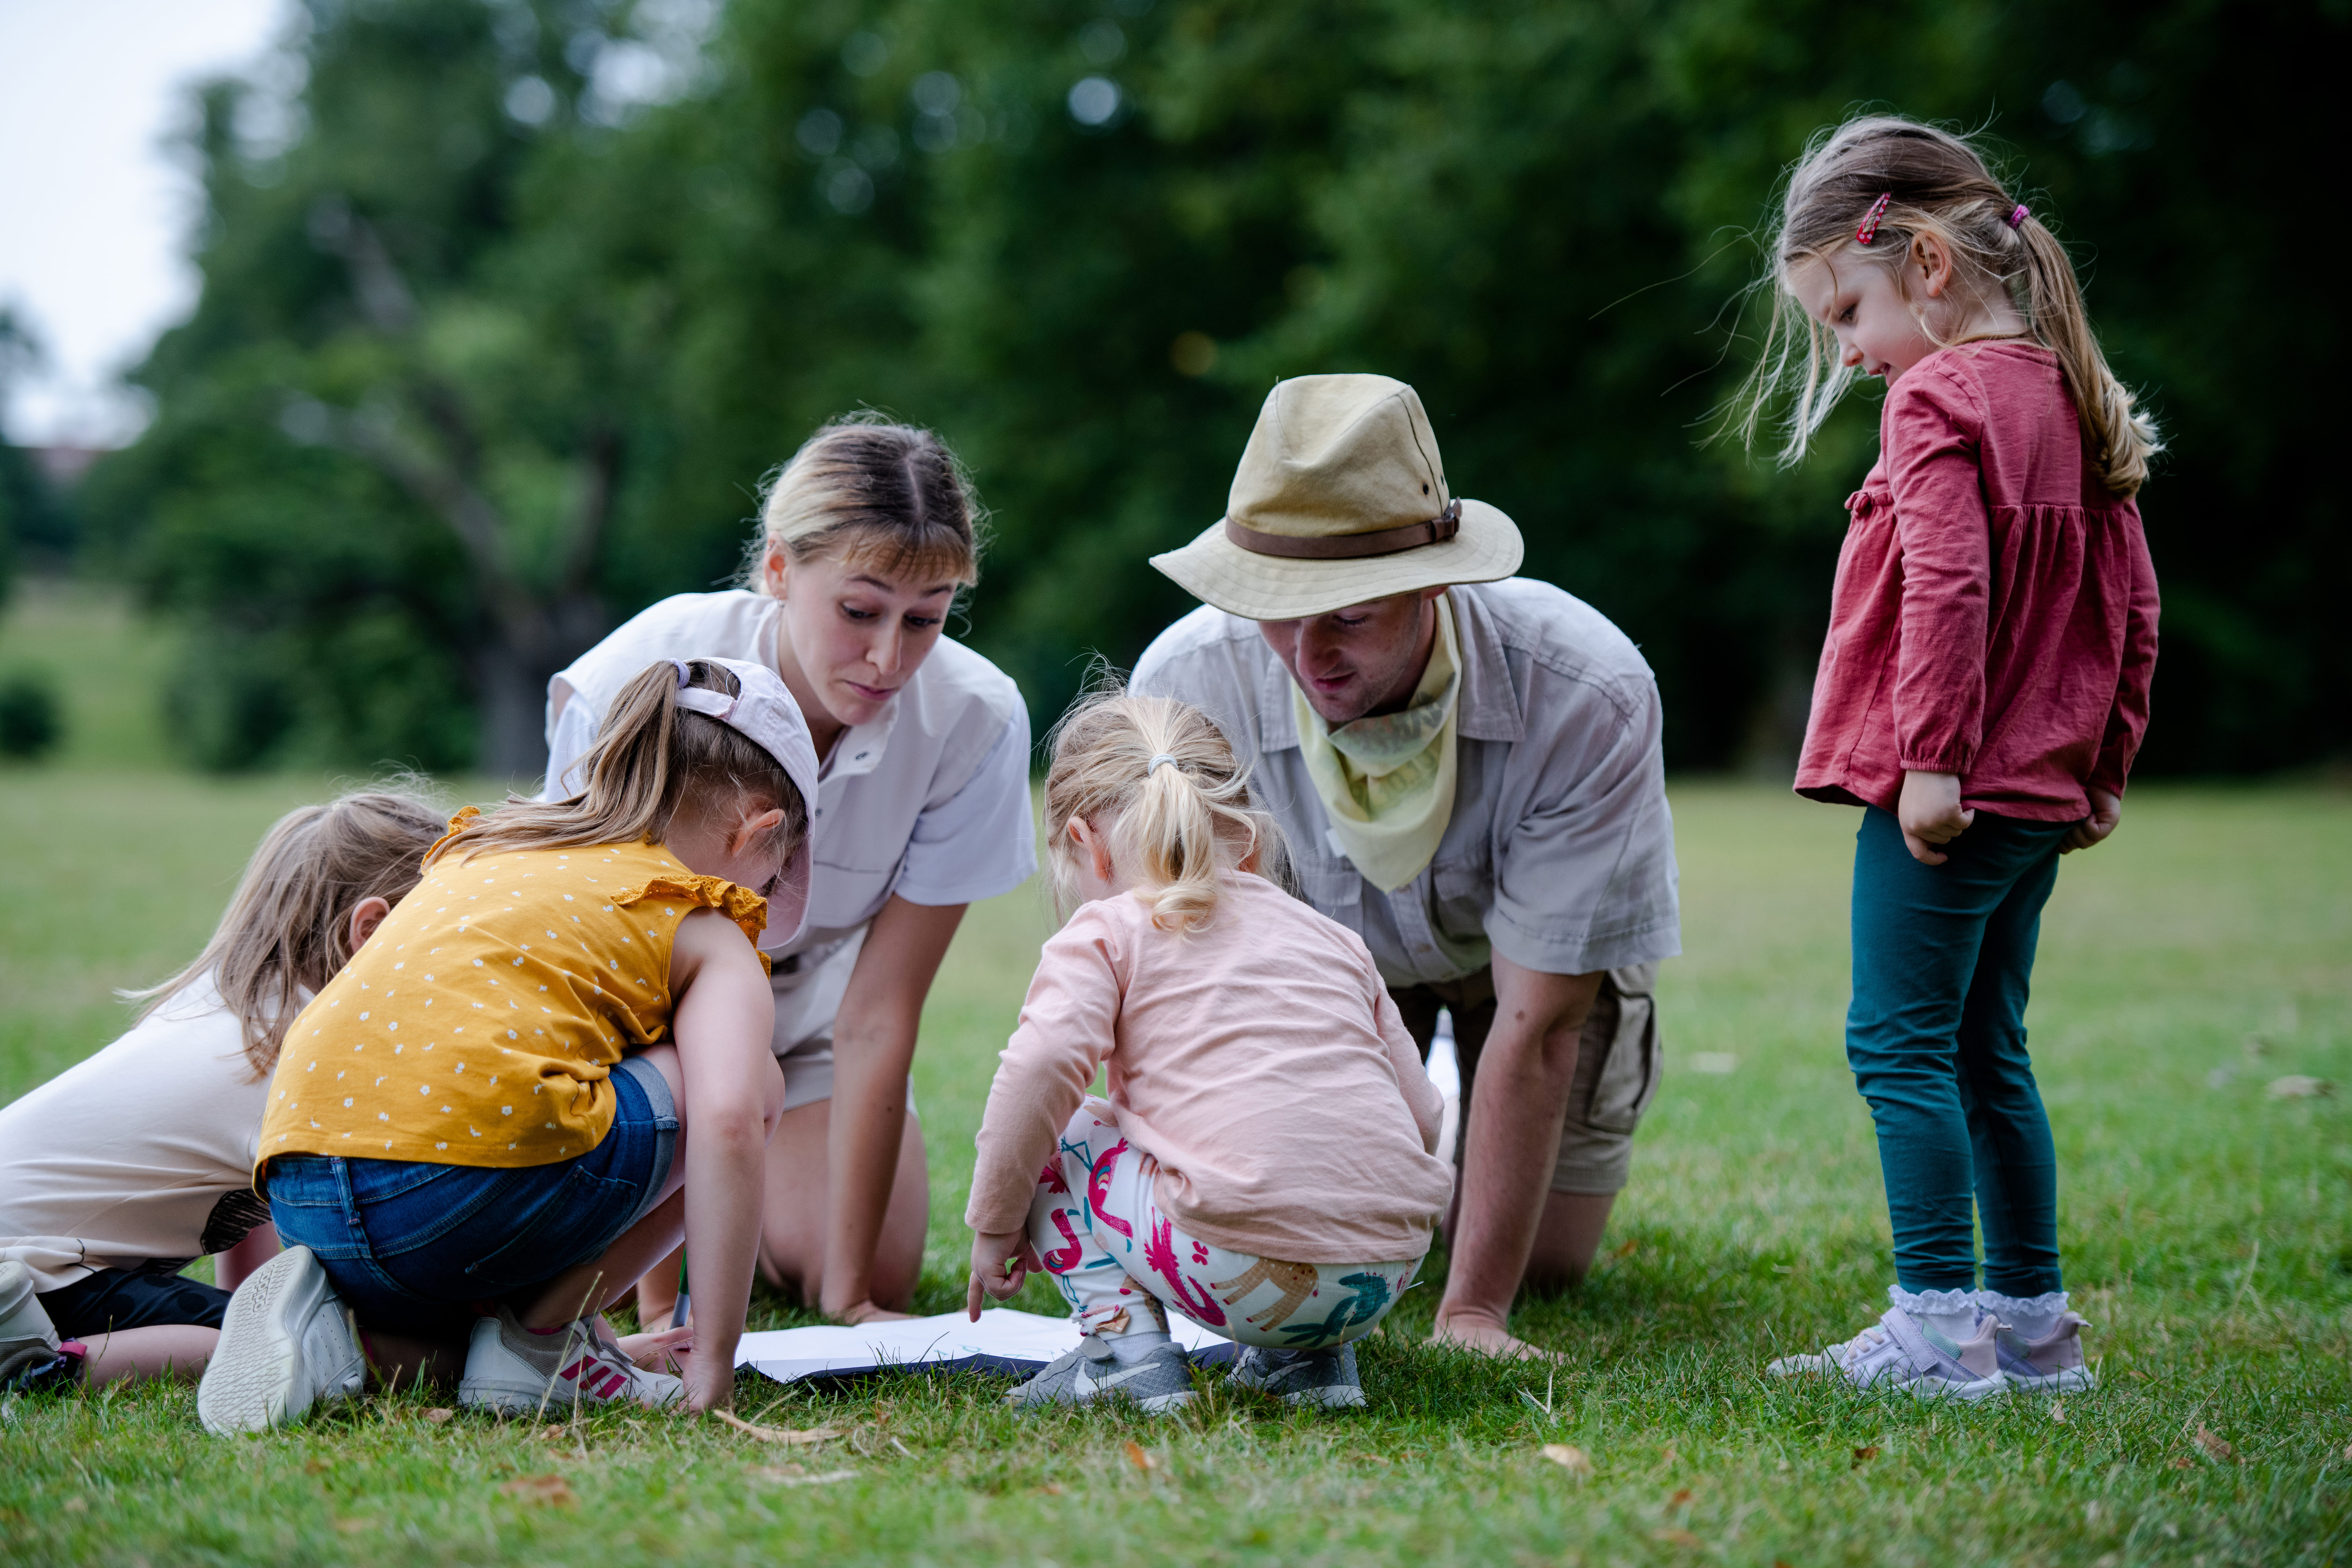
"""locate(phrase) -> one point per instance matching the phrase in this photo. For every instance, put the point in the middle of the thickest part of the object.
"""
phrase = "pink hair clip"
(1869, 229)
(2018, 216)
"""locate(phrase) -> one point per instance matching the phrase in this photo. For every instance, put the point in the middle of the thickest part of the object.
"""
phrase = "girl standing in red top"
(1981, 694)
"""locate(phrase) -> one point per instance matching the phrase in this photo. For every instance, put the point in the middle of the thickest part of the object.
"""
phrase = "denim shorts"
(421, 1248)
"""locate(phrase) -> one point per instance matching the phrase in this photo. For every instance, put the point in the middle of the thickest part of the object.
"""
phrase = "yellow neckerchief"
(1387, 784)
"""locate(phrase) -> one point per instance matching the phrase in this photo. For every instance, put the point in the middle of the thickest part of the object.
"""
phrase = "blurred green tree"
(500, 345)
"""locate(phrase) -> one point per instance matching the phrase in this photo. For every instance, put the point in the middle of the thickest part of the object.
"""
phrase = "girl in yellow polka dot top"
(550, 1064)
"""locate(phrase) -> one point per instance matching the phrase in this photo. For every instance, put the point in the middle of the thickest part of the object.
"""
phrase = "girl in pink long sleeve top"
(1981, 695)
(1264, 1163)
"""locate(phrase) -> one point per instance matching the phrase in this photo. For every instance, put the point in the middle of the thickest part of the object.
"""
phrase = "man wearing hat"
(1468, 766)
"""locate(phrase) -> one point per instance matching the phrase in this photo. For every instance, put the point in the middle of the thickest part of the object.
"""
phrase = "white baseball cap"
(762, 710)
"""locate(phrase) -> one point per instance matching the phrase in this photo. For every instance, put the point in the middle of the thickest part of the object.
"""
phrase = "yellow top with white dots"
(480, 1022)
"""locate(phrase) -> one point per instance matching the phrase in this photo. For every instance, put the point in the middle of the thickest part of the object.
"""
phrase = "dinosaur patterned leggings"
(1118, 1258)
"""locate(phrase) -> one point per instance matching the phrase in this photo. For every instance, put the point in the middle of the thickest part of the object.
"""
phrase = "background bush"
(496, 350)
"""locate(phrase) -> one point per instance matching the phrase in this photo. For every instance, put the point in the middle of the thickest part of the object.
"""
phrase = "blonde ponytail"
(1895, 179)
(2123, 437)
(653, 760)
(1158, 780)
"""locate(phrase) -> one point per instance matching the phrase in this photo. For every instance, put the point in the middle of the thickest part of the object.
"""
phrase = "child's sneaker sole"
(2074, 1380)
(256, 1379)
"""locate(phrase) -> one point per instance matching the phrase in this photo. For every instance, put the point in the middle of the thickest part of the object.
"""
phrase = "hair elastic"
(1159, 757)
(1869, 229)
(2019, 217)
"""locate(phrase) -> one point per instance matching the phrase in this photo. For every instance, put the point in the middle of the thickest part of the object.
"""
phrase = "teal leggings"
(1943, 958)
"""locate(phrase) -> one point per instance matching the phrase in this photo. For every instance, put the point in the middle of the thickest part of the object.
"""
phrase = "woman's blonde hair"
(288, 928)
(652, 761)
(865, 488)
(1172, 828)
(1937, 184)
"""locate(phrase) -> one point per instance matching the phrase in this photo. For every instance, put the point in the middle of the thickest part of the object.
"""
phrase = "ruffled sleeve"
(467, 816)
(748, 909)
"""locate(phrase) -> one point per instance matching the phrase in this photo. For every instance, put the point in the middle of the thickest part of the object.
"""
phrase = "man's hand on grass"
(1000, 1264)
(1930, 814)
(2106, 811)
(1476, 1331)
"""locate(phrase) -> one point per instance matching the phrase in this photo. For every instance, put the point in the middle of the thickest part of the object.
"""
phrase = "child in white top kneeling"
(1264, 1163)
(119, 1171)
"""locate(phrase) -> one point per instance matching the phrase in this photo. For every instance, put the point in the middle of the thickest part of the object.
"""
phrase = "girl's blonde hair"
(1171, 829)
(652, 761)
(868, 490)
(1938, 185)
(288, 928)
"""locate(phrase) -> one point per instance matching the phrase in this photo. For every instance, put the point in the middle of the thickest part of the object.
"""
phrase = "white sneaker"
(1900, 1355)
(514, 1371)
(28, 1340)
(287, 1347)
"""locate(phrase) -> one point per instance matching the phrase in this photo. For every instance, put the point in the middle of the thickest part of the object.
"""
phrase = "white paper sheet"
(1003, 1340)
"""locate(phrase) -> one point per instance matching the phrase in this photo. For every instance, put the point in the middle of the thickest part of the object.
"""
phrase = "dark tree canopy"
(498, 348)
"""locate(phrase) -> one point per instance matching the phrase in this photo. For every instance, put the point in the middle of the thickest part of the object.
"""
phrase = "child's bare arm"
(724, 1017)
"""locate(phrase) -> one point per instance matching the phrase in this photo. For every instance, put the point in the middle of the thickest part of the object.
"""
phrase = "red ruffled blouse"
(1995, 609)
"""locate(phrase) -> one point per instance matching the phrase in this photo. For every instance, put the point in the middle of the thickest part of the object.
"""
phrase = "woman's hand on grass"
(1000, 1262)
(1931, 814)
(2106, 811)
(864, 1312)
(664, 1350)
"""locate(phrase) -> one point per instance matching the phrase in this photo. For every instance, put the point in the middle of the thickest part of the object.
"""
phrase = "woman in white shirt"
(923, 808)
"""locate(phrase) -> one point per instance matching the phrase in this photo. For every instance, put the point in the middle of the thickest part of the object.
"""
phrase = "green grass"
(2207, 1230)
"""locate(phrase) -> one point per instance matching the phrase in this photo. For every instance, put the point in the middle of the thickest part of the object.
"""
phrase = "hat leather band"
(1348, 546)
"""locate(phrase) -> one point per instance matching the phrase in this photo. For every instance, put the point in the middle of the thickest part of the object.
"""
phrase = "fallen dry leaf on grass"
(2058, 1411)
(1863, 1455)
(1575, 1461)
(1055, 1489)
(1677, 1538)
(2213, 1445)
(1139, 1458)
(2295, 1086)
(439, 1416)
(777, 1434)
(552, 1489)
(799, 1476)
(1631, 1246)
(2184, 1462)
(1670, 1455)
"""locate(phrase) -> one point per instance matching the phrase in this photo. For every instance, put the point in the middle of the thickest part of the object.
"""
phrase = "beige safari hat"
(1340, 499)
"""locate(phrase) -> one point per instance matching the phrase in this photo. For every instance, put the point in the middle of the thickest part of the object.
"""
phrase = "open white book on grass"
(1003, 1340)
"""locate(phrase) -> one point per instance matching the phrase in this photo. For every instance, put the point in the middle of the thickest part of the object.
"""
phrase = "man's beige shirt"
(1560, 852)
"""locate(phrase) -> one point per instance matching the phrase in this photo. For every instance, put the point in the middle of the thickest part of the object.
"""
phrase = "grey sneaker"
(1324, 1378)
(28, 1340)
(514, 1371)
(287, 1347)
(1900, 1355)
(2049, 1365)
(1160, 1382)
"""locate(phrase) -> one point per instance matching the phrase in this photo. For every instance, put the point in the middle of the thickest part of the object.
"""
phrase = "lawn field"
(2201, 955)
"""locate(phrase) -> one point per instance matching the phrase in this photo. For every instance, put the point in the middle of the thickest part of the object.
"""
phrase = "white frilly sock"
(2028, 1317)
(1951, 1313)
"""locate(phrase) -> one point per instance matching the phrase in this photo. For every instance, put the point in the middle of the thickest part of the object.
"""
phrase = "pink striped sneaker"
(515, 1371)
(2052, 1364)
(1900, 1355)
